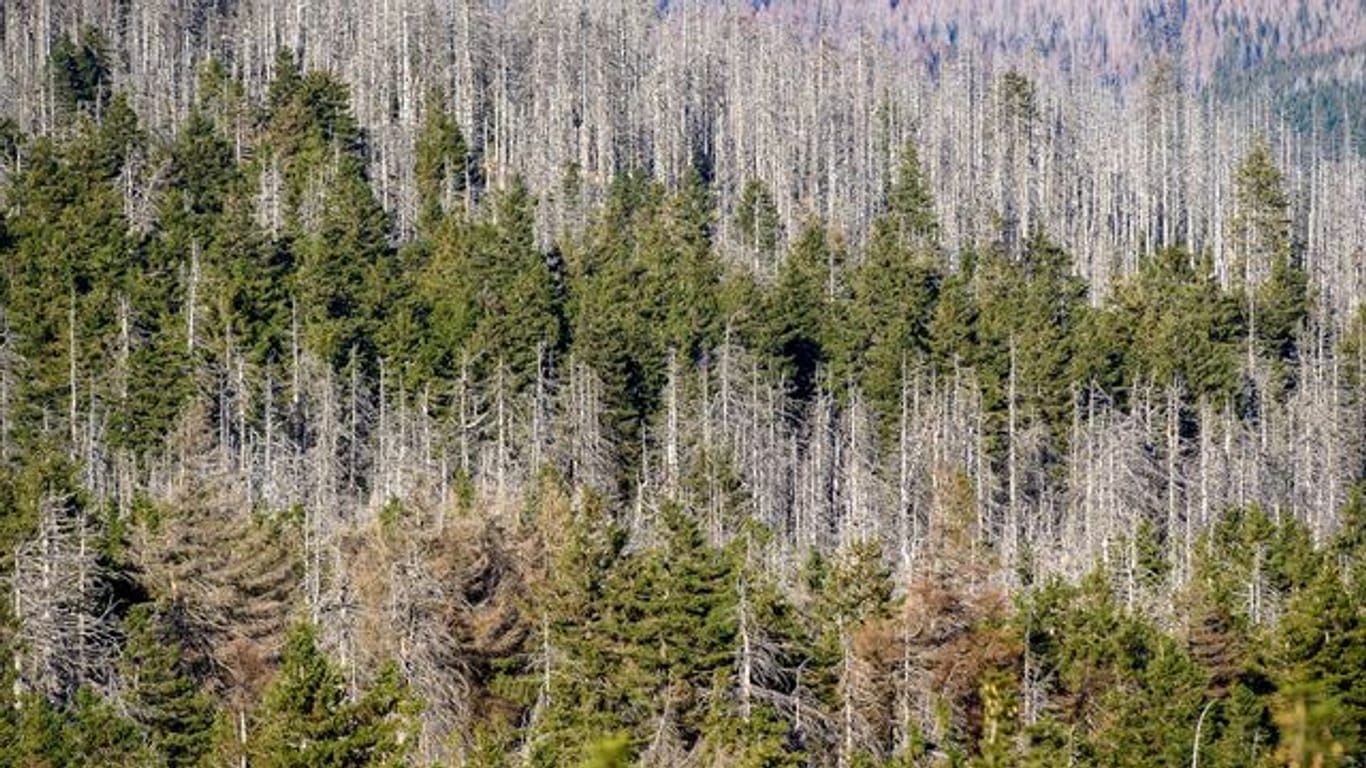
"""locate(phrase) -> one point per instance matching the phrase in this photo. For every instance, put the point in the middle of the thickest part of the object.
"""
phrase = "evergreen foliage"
(307, 719)
(164, 697)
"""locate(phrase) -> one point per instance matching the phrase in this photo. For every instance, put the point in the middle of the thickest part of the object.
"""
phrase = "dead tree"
(67, 635)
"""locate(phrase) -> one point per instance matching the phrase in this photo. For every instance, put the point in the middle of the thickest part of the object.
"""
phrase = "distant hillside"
(1113, 40)
(1301, 63)
(1324, 94)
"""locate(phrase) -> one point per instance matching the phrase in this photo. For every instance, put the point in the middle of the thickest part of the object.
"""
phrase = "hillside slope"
(1112, 40)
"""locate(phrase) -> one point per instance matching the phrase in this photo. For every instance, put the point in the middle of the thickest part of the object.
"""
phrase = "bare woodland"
(819, 112)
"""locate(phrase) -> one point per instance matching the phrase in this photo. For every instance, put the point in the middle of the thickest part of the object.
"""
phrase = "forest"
(565, 408)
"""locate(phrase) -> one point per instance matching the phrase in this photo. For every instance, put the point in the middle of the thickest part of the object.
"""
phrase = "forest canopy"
(298, 470)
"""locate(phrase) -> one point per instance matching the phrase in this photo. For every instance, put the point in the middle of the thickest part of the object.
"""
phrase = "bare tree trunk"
(1012, 465)
(192, 299)
(71, 373)
(8, 362)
